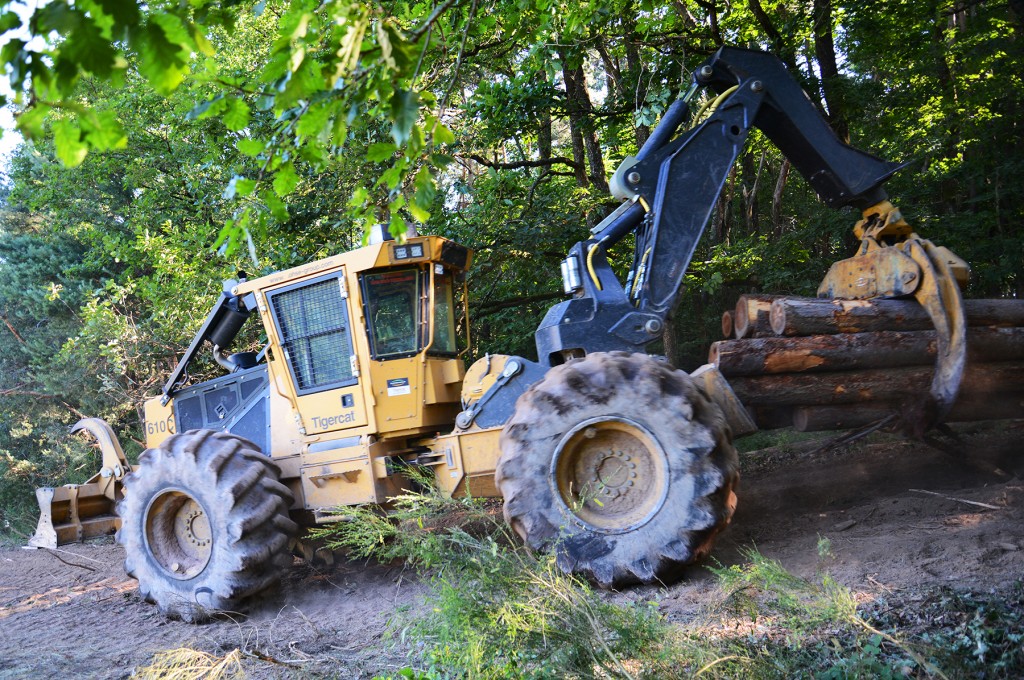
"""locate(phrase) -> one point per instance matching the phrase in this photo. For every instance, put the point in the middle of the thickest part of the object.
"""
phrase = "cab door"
(314, 327)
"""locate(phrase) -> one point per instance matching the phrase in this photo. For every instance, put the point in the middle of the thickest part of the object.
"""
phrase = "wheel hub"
(178, 535)
(610, 473)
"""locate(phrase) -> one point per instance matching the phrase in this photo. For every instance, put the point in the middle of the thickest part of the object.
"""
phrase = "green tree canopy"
(171, 144)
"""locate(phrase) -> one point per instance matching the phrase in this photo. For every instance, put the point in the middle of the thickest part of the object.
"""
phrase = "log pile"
(832, 364)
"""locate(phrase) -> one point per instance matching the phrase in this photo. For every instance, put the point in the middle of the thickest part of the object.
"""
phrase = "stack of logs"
(834, 364)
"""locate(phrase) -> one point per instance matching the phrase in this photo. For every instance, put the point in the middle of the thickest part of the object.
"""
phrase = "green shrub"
(497, 610)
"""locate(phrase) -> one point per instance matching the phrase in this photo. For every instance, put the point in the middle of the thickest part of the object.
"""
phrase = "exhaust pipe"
(75, 512)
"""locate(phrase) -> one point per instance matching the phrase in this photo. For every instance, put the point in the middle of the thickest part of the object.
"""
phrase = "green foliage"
(211, 137)
(775, 624)
(763, 585)
(498, 611)
(968, 633)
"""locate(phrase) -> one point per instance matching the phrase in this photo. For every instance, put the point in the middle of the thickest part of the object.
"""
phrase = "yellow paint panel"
(159, 424)
(444, 380)
(326, 411)
(396, 393)
(342, 483)
(470, 457)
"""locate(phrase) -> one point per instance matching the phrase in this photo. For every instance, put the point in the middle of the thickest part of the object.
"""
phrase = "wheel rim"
(610, 474)
(178, 534)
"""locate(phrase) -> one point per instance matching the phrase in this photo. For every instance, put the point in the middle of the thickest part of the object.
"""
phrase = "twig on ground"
(851, 437)
(270, 659)
(958, 500)
(54, 551)
(316, 630)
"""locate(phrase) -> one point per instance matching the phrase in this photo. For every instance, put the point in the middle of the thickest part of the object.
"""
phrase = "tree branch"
(11, 329)
(487, 308)
(434, 16)
(515, 165)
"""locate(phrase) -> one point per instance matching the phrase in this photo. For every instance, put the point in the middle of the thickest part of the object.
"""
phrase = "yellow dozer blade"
(74, 512)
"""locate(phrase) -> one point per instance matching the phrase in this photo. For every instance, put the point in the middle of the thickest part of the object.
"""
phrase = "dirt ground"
(899, 515)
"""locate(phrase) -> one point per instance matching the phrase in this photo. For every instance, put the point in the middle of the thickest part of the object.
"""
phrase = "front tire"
(621, 465)
(204, 524)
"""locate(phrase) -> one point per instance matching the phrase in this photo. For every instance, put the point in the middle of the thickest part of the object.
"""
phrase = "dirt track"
(58, 619)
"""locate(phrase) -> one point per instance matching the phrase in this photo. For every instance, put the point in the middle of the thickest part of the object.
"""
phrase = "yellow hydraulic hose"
(712, 104)
(639, 272)
(590, 265)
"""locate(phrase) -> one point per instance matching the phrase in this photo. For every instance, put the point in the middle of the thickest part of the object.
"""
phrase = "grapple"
(893, 261)
(74, 512)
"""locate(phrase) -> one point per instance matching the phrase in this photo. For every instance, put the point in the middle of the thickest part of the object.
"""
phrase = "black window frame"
(339, 277)
(422, 327)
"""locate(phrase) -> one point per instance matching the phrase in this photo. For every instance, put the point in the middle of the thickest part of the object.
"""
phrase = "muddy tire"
(204, 524)
(621, 465)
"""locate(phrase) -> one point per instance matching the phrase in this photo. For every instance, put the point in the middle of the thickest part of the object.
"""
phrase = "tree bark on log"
(868, 385)
(851, 351)
(810, 316)
(769, 418)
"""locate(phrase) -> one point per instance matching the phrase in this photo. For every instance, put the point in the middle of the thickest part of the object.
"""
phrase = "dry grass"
(191, 664)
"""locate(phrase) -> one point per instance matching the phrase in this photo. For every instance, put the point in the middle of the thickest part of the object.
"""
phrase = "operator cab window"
(445, 336)
(393, 312)
(312, 318)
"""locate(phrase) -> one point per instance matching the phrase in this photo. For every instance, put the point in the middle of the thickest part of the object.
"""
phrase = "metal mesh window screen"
(313, 322)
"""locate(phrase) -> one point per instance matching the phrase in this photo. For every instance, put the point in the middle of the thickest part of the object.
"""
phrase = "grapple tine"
(45, 535)
(939, 294)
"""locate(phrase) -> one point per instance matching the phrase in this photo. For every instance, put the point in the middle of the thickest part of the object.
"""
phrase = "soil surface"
(899, 516)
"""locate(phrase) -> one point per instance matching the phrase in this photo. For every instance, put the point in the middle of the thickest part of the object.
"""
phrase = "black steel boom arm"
(672, 186)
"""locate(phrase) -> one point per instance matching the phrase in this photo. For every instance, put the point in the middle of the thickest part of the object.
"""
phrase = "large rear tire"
(621, 465)
(204, 524)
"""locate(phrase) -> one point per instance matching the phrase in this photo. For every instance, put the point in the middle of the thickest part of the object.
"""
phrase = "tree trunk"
(579, 154)
(710, 6)
(752, 316)
(779, 45)
(544, 137)
(825, 53)
(584, 135)
(993, 407)
(634, 71)
(727, 325)
(780, 186)
(869, 385)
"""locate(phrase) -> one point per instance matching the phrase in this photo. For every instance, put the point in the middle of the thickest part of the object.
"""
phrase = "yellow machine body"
(335, 444)
(395, 309)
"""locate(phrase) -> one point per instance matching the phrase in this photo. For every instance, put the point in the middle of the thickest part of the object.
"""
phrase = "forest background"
(171, 145)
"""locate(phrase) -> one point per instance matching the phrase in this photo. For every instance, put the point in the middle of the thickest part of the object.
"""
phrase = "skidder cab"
(362, 352)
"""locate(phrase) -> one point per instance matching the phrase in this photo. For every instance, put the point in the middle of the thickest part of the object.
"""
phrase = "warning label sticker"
(398, 386)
